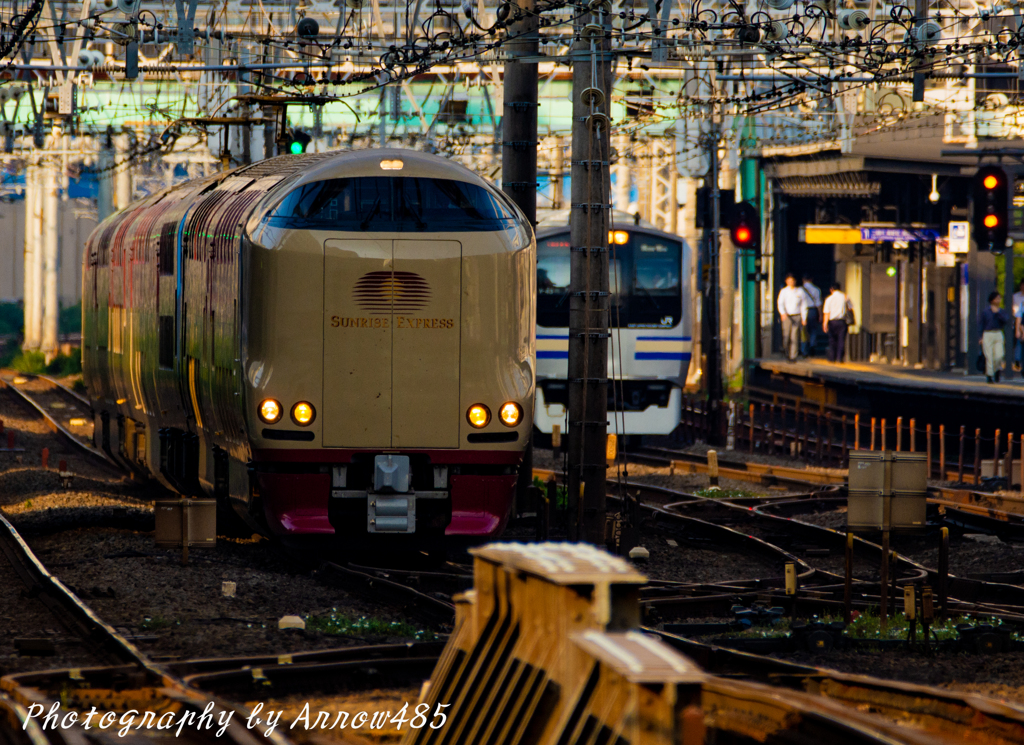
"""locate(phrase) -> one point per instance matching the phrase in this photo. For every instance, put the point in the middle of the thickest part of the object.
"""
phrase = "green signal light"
(297, 148)
(891, 271)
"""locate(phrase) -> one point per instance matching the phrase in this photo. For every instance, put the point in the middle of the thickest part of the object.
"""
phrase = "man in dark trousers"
(809, 336)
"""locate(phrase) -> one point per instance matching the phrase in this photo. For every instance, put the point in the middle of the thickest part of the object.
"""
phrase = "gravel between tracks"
(179, 611)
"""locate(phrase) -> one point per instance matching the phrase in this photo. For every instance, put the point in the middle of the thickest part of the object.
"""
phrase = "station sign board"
(959, 237)
(906, 235)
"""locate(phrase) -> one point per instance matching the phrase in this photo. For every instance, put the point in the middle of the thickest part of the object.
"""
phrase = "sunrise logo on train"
(381, 293)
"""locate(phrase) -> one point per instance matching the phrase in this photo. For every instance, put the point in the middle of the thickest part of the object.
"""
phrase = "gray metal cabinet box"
(200, 520)
(909, 472)
(869, 470)
(887, 491)
(866, 510)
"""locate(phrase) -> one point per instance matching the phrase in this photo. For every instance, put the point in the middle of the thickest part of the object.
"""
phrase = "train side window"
(166, 352)
(168, 233)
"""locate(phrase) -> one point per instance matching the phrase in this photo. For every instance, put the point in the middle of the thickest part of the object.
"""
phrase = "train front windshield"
(643, 277)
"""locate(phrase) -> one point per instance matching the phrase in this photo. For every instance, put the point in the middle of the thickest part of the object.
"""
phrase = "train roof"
(560, 219)
(387, 162)
(546, 229)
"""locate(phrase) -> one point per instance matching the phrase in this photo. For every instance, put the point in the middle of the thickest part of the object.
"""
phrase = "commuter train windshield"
(383, 204)
(644, 281)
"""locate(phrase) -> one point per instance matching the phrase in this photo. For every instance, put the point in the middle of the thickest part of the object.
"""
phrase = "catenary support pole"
(105, 163)
(32, 251)
(712, 332)
(519, 145)
(48, 343)
(123, 172)
(589, 300)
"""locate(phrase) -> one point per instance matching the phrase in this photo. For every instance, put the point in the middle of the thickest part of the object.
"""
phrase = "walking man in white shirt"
(792, 306)
(809, 337)
(838, 312)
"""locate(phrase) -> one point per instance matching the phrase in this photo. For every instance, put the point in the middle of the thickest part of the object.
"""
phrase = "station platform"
(875, 389)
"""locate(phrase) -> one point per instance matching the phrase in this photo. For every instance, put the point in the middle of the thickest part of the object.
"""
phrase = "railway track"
(66, 413)
(751, 526)
(140, 678)
(798, 701)
(596, 672)
(999, 514)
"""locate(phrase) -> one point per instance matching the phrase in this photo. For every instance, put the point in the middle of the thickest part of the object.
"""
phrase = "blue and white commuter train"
(650, 281)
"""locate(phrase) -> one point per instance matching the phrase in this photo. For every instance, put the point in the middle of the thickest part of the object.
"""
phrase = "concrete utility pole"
(589, 301)
(519, 120)
(51, 309)
(712, 327)
(33, 297)
(519, 142)
(557, 173)
(123, 174)
(105, 161)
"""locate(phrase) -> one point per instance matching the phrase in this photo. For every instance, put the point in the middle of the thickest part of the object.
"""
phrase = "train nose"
(392, 343)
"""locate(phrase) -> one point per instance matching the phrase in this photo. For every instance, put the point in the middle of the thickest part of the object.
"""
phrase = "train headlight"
(270, 411)
(510, 414)
(303, 413)
(478, 416)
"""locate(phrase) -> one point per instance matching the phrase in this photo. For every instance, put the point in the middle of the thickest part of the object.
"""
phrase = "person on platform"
(993, 319)
(1018, 329)
(1017, 308)
(792, 306)
(837, 313)
(809, 336)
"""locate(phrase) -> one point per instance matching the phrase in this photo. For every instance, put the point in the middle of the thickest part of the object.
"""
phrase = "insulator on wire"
(307, 28)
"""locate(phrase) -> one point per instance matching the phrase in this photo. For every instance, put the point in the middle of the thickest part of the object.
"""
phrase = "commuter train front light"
(510, 414)
(478, 416)
(270, 411)
(303, 413)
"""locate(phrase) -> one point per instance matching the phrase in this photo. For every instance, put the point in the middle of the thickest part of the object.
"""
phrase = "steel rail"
(80, 619)
(969, 591)
(964, 594)
(56, 426)
(75, 615)
(375, 584)
(741, 470)
(965, 715)
(18, 723)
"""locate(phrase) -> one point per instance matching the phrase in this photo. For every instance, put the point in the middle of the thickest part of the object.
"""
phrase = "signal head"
(745, 226)
(298, 142)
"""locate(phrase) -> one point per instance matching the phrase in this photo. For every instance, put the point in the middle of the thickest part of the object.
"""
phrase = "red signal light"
(991, 221)
(742, 234)
(990, 181)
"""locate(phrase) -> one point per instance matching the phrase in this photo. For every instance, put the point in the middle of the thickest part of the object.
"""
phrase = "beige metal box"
(196, 518)
(908, 510)
(866, 510)
(909, 473)
(869, 471)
